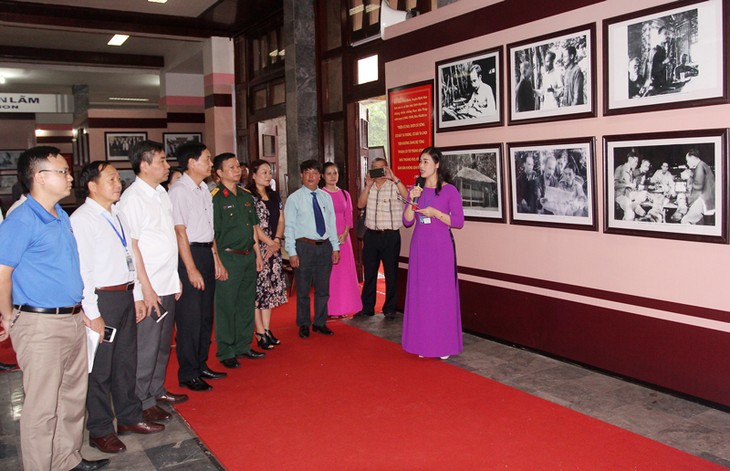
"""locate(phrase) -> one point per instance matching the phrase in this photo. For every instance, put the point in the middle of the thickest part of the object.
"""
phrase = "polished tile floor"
(686, 425)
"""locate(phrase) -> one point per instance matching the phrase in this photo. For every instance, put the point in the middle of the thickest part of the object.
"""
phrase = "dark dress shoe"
(156, 414)
(322, 329)
(230, 363)
(251, 354)
(108, 443)
(271, 337)
(144, 428)
(86, 465)
(264, 341)
(8, 367)
(389, 315)
(304, 331)
(207, 373)
(196, 384)
(171, 398)
(361, 314)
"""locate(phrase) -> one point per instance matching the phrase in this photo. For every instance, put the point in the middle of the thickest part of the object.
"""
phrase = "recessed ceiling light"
(118, 39)
(120, 98)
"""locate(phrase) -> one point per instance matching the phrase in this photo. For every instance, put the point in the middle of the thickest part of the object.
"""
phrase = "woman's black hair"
(252, 184)
(441, 173)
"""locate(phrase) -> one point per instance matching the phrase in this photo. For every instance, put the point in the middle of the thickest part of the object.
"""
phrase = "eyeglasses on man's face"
(62, 171)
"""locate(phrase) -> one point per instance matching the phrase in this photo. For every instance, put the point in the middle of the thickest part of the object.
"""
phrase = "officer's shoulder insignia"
(244, 189)
(214, 191)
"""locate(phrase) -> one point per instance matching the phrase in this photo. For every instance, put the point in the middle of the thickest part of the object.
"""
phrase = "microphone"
(420, 182)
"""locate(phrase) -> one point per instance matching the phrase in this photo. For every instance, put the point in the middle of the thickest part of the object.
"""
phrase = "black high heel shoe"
(273, 340)
(264, 341)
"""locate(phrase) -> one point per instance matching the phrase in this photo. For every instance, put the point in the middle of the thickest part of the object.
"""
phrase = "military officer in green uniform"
(234, 222)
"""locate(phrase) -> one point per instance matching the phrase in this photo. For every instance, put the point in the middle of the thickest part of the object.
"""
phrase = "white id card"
(425, 220)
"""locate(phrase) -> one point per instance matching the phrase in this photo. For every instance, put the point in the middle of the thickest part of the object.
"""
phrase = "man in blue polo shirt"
(40, 296)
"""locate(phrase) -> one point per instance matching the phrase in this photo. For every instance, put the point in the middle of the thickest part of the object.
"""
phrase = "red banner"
(410, 111)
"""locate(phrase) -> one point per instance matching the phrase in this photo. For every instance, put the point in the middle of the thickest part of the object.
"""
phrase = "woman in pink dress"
(344, 288)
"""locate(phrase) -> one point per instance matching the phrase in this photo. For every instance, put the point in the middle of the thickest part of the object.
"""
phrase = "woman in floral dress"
(271, 286)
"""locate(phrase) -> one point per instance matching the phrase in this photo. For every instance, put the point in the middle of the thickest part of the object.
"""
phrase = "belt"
(122, 287)
(381, 231)
(49, 310)
(239, 252)
(201, 244)
(312, 241)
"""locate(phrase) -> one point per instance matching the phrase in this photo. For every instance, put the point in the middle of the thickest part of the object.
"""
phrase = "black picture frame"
(172, 140)
(477, 173)
(657, 206)
(119, 143)
(551, 196)
(455, 109)
(539, 94)
(9, 158)
(665, 57)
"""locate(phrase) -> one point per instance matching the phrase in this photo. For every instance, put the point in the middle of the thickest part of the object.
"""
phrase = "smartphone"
(376, 172)
(161, 315)
(109, 333)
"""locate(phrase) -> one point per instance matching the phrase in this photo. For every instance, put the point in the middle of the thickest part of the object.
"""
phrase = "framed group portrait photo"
(119, 143)
(476, 171)
(173, 140)
(670, 56)
(553, 76)
(668, 185)
(552, 183)
(468, 91)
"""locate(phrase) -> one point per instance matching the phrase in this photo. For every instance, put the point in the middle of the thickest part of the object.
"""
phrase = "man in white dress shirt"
(148, 211)
(111, 295)
(198, 266)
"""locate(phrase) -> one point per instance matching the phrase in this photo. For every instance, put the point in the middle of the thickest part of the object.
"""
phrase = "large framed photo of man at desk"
(468, 91)
(552, 183)
(670, 56)
(670, 185)
(553, 76)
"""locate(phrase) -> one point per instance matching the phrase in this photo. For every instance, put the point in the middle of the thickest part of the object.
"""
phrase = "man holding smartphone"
(112, 295)
(148, 212)
(382, 199)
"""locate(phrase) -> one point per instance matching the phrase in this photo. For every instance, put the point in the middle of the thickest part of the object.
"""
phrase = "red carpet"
(355, 401)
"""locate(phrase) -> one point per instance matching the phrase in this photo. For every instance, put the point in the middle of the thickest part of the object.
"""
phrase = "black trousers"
(380, 247)
(315, 267)
(115, 368)
(194, 316)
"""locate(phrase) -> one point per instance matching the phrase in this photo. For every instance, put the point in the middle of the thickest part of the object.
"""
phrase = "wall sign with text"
(410, 115)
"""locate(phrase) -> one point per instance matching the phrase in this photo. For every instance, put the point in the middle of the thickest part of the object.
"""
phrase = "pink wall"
(591, 259)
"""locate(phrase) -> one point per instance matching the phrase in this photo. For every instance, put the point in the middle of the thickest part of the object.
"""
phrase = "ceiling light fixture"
(118, 39)
(2, 80)
(157, 1)
(119, 98)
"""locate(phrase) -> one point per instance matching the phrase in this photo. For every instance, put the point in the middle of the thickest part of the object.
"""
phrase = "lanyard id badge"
(424, 220)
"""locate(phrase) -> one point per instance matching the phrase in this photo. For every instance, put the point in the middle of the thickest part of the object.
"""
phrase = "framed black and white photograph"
(173, 140)
(119, 143)
(552, 183)
(469, 91)
(553, 76)
(6, 184)
(127, 177)
(9, 159)
(476, 171)
(670, 56)
(670, 185)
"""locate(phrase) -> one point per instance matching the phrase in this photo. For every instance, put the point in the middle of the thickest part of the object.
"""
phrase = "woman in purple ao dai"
(432, 315)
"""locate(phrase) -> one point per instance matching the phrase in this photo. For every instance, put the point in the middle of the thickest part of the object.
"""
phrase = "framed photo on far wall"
(553, 76)
(6, 184)
(119, 143)
(476, 171)
(670, 185)
(670, 56)
(173, 140)
(9, 159)
(552, 183)
(468, 91)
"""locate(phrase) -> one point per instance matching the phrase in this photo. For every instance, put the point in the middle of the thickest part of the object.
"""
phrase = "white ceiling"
(181, 55)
